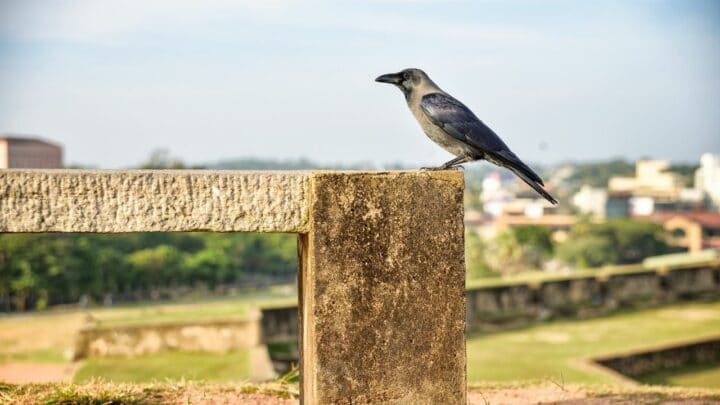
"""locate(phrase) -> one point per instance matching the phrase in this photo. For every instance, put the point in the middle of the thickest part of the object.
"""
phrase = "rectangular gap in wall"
(171, 301)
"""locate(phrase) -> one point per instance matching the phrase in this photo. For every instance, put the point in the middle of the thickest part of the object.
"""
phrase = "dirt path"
(23, 373)
(551, 394)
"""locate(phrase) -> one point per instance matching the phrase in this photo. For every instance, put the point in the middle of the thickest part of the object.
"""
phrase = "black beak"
(392, 78)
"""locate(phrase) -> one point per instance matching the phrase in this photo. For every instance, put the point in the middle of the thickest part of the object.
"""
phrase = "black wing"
(459, 122)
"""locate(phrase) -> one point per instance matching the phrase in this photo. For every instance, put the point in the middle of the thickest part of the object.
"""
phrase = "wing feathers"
(459, 122)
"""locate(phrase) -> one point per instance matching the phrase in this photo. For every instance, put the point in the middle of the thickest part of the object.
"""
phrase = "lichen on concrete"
(383, 283)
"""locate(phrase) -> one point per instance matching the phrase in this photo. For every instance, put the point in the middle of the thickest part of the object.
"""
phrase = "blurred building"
(650, 179)
(20, 152)
(508, 196)
(495, 194)
(707, 178)
(591, 200)
(651, 190)
(618, 205)
(694, 231)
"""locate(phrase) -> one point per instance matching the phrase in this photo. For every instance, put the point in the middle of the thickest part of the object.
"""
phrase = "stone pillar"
(383, 289)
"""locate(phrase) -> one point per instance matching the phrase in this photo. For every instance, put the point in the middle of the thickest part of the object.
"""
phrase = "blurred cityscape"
(613, 212)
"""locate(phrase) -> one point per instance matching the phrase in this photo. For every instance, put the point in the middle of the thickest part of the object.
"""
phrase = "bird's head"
(406, 80)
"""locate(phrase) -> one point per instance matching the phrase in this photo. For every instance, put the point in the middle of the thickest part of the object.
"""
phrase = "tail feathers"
(530, 173)
(536, 185)
(511, 159)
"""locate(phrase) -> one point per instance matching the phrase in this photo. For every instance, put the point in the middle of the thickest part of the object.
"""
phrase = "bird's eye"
(406, 76)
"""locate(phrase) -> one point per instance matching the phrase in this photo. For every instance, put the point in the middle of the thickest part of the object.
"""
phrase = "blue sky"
(558, 80)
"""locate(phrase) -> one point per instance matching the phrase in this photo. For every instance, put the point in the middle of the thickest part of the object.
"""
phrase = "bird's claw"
(453, 167)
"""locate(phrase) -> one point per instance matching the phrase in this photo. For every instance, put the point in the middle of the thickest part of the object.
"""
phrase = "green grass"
(221, 308)
(551, 351)
(34, 356)
(544, 351)
(556, 350)
(705, 375)
(211, 367)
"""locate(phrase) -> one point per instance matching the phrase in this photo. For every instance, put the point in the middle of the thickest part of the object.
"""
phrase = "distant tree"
(588, 251)
(45, 269)
(161, 159)
(475, 262)
(156, 266)
(686, 172)
(471, 200)
(535, 237)
(637, 240)
(619, 241)
(505, 255)
(210, 266)
(597, 174)
(520, 249)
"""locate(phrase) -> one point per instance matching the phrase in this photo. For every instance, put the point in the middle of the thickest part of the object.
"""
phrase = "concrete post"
(382, 270)
(383, 289)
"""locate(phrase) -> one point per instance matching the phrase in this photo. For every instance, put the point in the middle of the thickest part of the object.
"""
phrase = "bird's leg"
(455, 162)
(450, 164)
(467, 159)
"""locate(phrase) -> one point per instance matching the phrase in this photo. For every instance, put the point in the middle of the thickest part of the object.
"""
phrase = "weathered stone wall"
(591, 295)
(280, 324)
(565, 296)
(634, 289)
(585, 296)
(692, 282)
(500, 303)
(635, 364)
(215, 336)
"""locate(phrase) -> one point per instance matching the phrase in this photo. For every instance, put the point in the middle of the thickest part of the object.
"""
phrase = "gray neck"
(427, 86)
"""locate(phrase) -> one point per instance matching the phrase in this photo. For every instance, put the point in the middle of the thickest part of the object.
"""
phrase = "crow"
(452, 125)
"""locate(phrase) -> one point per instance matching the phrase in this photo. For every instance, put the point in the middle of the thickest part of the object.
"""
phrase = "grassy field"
(557, 350)
(230, 367)
(223, 308)
(552, 351)
(41, 337)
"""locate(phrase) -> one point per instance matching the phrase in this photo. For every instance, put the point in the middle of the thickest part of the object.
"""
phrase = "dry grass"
(99, 392)
(38, 336)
